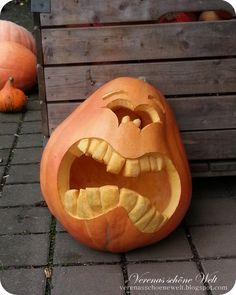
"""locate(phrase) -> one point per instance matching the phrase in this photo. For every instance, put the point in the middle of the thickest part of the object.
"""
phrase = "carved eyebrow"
(110, 94)
(157, 102)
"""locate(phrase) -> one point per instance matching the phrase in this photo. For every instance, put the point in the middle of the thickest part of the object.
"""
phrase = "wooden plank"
(223, 166)
(195, 113)
(40, 76)
(199, 167)
(200, 145)
(210, 145)
(210, 173)
(205, 113)
(106, 11)
(172, 78)
(139, 42)
(42, 98)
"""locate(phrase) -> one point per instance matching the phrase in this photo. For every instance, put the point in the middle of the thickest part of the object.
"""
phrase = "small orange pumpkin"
(19, 62)
(11, 98)
(10, 31)
(115, 173)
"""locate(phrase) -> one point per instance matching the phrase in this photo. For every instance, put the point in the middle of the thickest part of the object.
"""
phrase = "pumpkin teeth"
(115, 163)
(125, 119)
(132, 168)
(137, 122)
(70, 201)
(92, 202)
(84, 145)
(101, 151)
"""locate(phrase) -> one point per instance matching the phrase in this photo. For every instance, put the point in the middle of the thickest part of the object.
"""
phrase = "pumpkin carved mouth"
(147, 188)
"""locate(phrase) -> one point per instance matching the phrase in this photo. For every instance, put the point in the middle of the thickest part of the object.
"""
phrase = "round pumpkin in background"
(19, 62)
(214, 15)
(115, 172)
(10, 31)
(178, 17)
(11, 98)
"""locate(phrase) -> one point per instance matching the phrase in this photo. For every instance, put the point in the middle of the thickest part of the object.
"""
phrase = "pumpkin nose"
(136, 122)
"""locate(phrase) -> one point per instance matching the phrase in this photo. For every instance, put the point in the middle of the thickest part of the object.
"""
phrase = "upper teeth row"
(103, 152)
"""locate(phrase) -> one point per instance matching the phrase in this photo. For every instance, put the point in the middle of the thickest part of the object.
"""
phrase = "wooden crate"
(83, 44)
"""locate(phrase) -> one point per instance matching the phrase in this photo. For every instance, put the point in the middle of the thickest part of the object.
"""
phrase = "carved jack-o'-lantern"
(115, 173)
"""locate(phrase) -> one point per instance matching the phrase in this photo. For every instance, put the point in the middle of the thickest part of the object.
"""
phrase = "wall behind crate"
(83, 44)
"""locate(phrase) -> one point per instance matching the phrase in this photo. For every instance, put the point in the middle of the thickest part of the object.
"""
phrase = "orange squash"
(18, 62)
(115, 173)
(11, 98)
(214, 15)
(10, 31)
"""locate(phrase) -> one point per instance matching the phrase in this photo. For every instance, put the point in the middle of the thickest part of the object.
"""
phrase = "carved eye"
(141, 116)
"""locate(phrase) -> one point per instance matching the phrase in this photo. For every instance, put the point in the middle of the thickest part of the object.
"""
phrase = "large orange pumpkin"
(115, 173)
(18, 62)
(10, 31)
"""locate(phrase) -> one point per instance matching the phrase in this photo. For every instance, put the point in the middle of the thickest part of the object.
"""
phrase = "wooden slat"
(211, 173)
(139, 42)
(58, 112)
(223, 166)
(172, 78)
(106, 11)
(205, 145)
(199, 167)
(40, 74)
(204, 113)
(200, 145)
(199, 113)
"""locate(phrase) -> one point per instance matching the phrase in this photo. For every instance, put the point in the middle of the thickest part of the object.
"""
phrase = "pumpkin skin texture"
(11, 98)
(18, 62)
(12, 32)
(115, 173)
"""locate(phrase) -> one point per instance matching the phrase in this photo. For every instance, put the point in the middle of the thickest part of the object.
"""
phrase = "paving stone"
(33, 116)
(164, 278)
(23, 281)
(1, 171)
(23, 174)
(215, 241)
(13, 117)
(59, 227)
(4, 154)
(210, 188)
(231, 185)
(21, 194)
(6, 141)
(22, 250)
(68, 250)
(27, 155)
(33, 95)
(174, 247)
(31, 127)
(88, 280)
(33, 105)
(8, 128)
(30, 140)
(225, 271)
(212, 211)
(24, 220)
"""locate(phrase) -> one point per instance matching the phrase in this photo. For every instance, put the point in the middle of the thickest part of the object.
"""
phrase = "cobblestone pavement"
(38, 257)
